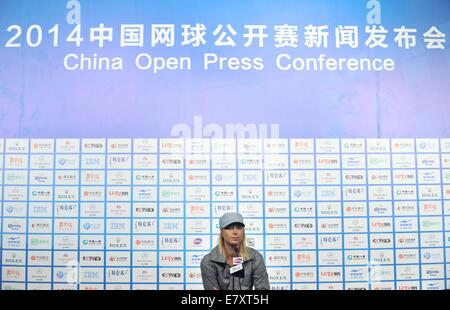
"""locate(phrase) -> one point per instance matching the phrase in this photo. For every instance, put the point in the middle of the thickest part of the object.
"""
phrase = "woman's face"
(233, 234)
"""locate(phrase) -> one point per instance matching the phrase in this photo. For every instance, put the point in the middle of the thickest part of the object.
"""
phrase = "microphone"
(239, 263)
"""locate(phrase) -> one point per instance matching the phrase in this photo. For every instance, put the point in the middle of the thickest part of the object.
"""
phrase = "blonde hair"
(243, 248)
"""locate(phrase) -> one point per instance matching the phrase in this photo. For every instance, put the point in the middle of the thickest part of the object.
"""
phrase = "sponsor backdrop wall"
(127, 128)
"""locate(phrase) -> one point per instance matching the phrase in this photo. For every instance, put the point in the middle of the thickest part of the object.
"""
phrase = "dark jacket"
(216, 272)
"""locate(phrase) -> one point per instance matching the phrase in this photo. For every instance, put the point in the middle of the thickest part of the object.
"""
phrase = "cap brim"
(234, 223)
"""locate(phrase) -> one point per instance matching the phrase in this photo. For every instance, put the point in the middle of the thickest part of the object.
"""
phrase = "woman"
(232, 265)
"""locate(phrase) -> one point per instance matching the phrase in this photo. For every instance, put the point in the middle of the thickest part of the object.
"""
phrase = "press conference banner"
(127, 128)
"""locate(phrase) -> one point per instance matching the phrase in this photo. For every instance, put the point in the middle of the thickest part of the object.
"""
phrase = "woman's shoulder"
(213, 256)
(254, 253)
